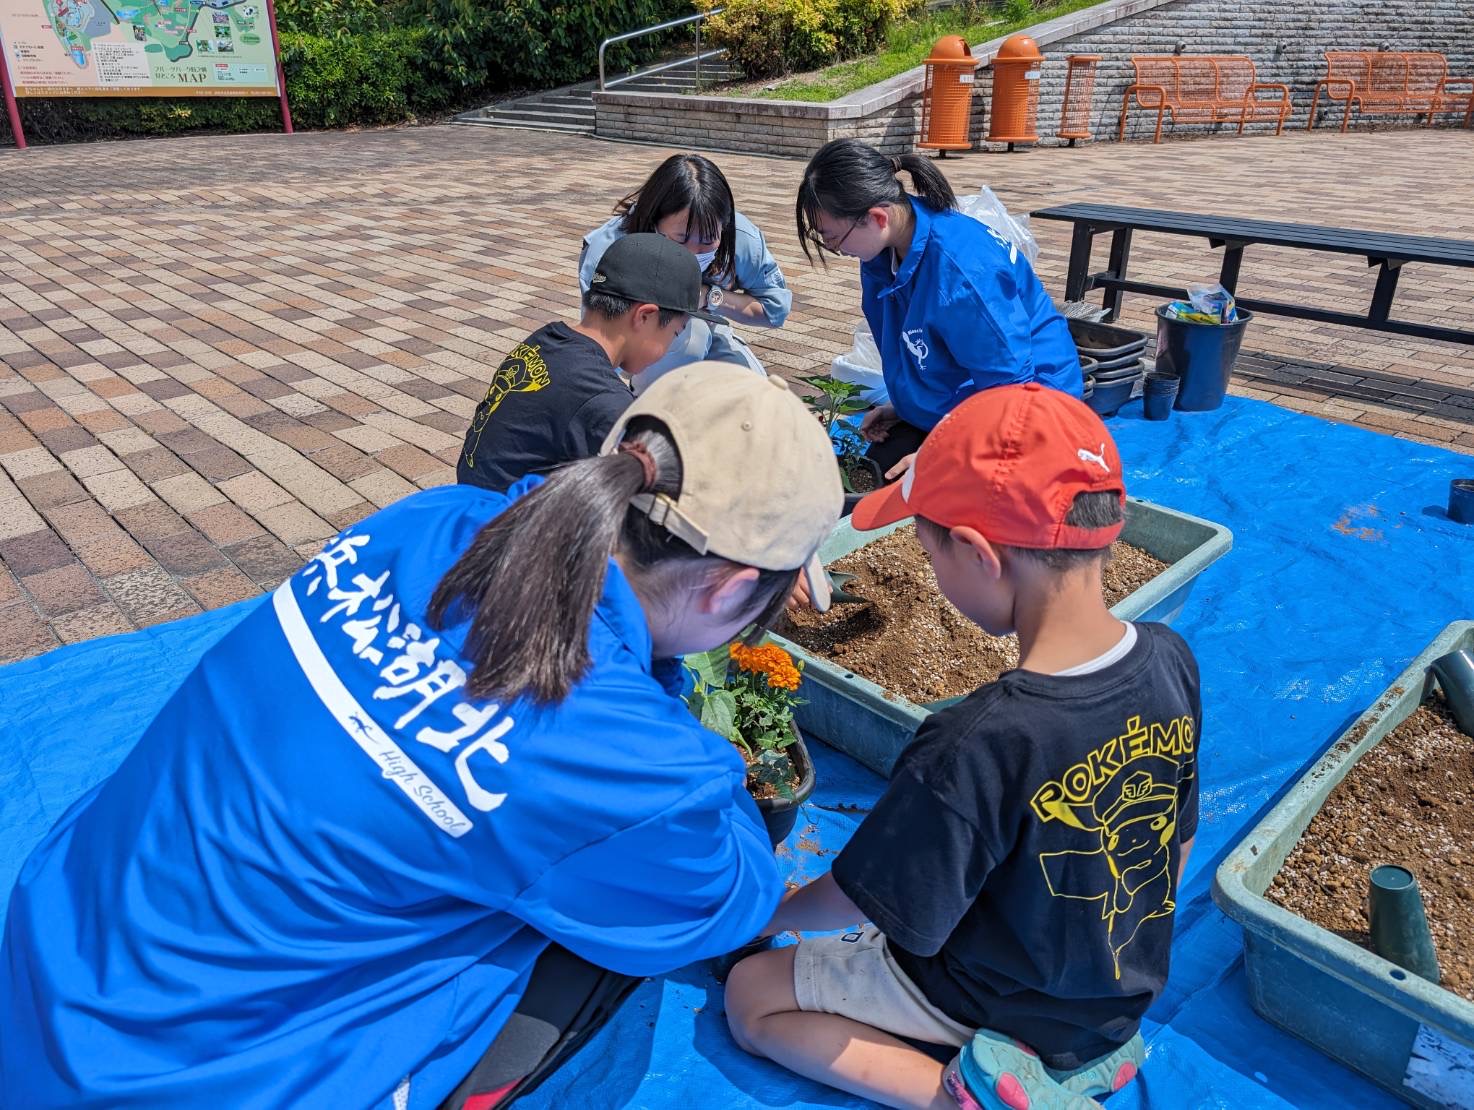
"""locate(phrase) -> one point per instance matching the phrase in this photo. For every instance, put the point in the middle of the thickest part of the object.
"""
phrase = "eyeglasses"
(820, 241)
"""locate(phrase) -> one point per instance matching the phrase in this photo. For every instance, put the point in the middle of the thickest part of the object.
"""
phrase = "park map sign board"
(138, 48)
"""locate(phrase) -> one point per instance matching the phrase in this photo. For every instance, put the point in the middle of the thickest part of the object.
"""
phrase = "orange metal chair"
(1391, 83)
(1203, 88)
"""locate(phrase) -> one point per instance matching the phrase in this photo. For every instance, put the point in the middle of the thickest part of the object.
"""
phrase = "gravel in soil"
(861, 480)
(911, 640)
(1409, 801)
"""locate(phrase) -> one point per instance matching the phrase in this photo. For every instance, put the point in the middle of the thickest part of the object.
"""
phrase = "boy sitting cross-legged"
(1020, 872)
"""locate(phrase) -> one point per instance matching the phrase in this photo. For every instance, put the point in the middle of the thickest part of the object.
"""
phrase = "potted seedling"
(834, 400)
(747, 695)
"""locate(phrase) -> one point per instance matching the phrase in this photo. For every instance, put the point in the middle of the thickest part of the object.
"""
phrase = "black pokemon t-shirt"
(1023, 861)
(551, 401)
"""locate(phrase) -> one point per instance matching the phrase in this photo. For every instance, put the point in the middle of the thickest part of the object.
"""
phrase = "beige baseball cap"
(759, 482)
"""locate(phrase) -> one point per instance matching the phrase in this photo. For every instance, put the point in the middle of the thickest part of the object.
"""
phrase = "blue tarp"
(1344, 566)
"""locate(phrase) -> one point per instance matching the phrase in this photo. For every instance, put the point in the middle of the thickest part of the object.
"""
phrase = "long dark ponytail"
(532, 577)
(847, 178)
(693, 183)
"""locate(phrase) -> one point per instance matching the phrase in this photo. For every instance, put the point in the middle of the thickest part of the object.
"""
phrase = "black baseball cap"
(648, 268)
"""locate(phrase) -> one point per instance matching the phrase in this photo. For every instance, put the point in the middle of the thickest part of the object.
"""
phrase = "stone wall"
(1284, 37)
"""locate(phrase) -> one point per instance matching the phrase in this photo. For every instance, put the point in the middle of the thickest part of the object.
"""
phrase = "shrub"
(333, 18)
(764, 38)
(530, 43)
(860, 26)
(368, 78)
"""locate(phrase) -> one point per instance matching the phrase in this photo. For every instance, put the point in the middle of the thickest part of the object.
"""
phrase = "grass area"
(907, 46)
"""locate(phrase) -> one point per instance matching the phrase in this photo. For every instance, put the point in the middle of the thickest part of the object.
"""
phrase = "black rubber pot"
(781, 814)
(1132, 369)
(871, 467)
(1131, 358)
(1105, 342)
(1202, 355)
(1108, 397)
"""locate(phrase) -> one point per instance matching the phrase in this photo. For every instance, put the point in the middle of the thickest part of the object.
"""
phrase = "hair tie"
(647, 463)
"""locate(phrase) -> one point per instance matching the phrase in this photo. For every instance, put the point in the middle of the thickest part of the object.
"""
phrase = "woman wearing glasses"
(688, 201)
(954, 307)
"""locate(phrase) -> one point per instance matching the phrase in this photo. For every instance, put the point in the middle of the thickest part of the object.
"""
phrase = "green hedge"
(360, 62)
(511, 44)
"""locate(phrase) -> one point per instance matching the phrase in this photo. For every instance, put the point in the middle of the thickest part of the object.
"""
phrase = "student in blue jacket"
(400, 825)
(688, 200)
(954, 307)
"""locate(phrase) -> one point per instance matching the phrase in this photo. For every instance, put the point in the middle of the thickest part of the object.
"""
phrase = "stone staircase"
(571, 108)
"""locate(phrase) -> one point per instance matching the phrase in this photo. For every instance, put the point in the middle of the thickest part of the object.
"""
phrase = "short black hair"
(612, 306)
(1092, 509)
(690, 183)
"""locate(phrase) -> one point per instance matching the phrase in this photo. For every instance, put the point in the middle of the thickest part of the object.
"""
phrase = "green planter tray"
(865, 722)
(1410, 1036)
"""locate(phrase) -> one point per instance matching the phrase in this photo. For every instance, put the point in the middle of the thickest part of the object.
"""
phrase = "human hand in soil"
(901, 467)
(799, 598)
(878, 422)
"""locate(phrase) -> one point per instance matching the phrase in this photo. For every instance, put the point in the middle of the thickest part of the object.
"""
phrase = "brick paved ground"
(214, 352)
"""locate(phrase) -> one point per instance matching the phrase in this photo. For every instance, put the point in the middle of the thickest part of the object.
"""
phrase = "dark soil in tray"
(1408, 801)
(912, 641)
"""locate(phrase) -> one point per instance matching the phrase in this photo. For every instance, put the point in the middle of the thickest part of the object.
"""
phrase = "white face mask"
(706, 259)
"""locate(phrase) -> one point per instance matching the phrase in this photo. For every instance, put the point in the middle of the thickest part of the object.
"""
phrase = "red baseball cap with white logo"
(1008, 462)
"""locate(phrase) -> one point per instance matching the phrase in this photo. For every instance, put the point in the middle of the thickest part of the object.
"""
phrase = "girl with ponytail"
(408, 832)
(954, 307)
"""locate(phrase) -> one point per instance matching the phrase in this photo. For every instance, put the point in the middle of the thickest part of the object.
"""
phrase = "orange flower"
(770, 661)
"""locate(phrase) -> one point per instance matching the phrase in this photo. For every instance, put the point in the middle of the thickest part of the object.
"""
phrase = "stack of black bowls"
(1110, 358)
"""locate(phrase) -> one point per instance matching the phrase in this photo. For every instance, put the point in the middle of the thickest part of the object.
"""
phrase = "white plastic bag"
(861, 365)
(988, 209)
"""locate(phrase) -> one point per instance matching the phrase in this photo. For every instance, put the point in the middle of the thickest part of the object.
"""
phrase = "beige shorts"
(852, 975)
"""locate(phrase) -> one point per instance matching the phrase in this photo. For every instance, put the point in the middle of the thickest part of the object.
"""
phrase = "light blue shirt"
(756, 274)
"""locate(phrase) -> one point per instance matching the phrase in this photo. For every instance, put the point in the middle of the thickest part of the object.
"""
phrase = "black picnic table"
(1387, 252)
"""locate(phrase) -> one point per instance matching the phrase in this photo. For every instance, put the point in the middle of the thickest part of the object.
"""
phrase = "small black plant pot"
(1161, 392)
(781, 814)
(866, 465)
(1461, 500)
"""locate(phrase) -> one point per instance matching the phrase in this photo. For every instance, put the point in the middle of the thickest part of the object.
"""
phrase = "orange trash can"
(946, 103)
(1074, 115)
(1014, 116)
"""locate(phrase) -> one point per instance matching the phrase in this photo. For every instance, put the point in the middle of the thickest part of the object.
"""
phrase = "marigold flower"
(770, 661)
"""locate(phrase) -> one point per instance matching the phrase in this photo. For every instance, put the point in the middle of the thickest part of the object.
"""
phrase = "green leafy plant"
(747, 695)
(834, 400)
(334, 18)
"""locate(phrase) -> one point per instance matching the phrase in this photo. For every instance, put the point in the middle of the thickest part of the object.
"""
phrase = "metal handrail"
(666, 26)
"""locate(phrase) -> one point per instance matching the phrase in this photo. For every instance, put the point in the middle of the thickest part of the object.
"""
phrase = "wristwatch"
(713, 296)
